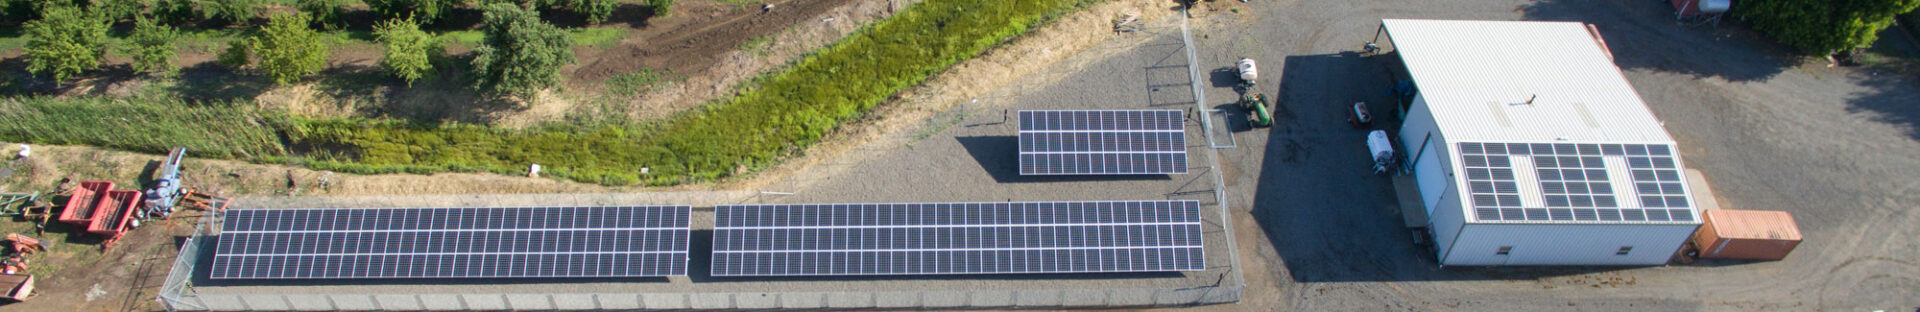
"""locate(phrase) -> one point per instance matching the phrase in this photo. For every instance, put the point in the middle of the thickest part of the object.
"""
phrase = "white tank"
(1247, 70)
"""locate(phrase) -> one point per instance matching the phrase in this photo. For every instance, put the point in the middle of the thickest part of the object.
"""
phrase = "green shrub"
(114, 10)
(1822, 27)
(410, 52)
(151, 46)
(521, 54)
(231, 11)
(661, 8)
(424, 11)
(287, 49)
(237, 55)
(175, 11)
(596, 11)
(65, 42)
(327, 14)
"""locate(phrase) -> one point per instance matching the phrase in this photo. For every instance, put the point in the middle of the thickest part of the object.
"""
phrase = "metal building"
(1530, 147)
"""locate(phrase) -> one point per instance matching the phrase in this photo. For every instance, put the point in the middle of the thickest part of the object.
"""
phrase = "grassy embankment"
(785, 114)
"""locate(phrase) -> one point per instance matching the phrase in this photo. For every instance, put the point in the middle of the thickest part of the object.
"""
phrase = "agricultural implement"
(80, 206)
(166, 187)
(115, 216)
(17, 204)
(1251, 100)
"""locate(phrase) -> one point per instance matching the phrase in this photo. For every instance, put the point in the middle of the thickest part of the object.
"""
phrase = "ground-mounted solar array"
(1575, 182)
(399, 243)
(957, 238)
(1102, 142)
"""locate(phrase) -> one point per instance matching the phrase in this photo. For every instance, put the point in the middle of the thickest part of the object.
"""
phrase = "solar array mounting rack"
(402, 243)
(957, 238)
(1102, 142)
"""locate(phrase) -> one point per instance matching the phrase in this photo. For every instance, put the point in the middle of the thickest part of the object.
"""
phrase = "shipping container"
(1747, 234)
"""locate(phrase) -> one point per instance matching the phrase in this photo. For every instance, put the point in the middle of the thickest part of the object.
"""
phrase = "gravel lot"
(1838, 147)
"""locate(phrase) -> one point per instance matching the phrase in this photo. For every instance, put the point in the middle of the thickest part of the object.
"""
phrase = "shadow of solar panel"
(957, 238)
(1102, 142)
(518, 242)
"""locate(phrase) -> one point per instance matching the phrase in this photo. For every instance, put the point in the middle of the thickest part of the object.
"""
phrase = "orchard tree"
(232, 11)
(521, 55)
(327, 14)
(65, 42)
(409, 52)
(423, 11)
(287, 49)
(151, 46)
(1822, 26)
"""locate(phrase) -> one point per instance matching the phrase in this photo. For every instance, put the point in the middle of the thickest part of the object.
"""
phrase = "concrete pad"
(402, 302)
(266, 302)
(310, 302)
(619, 302)
(664, 301)
(484, 302)
(896, 300)
(991, 299)
(529, 302)
(757, 301)
(223, 303)
(438, 302)
(944, 299)
(1702, 191)
(575, 302)
(354, 303)
(1083, 298)
(843, 300)
(1037, 298)
(1131, 297)
(797, 301)
(710, 301)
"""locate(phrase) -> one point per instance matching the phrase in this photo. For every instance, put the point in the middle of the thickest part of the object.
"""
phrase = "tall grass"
(219, 130)
(789, 112)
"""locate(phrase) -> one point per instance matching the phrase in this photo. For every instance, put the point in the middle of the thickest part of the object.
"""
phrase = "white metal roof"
(1478, 77)
(1547, 84)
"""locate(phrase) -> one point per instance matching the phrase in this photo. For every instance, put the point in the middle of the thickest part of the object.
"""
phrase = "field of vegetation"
(782, 115)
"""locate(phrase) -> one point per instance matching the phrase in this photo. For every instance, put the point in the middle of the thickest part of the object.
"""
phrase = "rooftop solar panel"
(1096, 142)
(1577, 182)
(518, 242)
(957, 238)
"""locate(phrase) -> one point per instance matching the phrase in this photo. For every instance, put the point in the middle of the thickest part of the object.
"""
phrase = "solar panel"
(1577, 182)
(518, 242)
(957, 238)
(1111, 142)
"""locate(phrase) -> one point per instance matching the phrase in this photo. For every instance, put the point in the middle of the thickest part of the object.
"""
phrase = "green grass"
(598, 37)
(757, 45)
(218, 130)
(635, 83)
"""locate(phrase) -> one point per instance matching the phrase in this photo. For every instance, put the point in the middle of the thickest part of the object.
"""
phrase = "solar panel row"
(957, 238)
(1578, 182)
(452, 242)
(1122, 142)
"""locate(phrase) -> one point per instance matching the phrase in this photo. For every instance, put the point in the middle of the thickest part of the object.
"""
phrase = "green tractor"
(1256, 106)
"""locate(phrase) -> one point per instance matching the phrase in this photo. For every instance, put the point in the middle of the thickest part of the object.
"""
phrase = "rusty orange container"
(1746, 234)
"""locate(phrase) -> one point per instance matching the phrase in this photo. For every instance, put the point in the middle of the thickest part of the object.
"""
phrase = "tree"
(424, 11)
(287, 49)
(1822, 26)
(327, 14)
(237, 54)
(115, 10)
(521, 54)
(409, 51)
(174, 11)
(65, 42)
(151, 46)
(596, 11)
(232, 11)
(661, 8)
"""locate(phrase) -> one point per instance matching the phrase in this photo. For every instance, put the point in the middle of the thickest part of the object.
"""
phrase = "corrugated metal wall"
(1567, 244)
